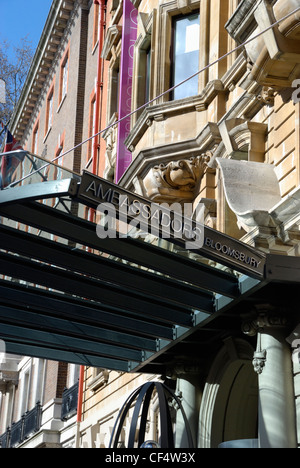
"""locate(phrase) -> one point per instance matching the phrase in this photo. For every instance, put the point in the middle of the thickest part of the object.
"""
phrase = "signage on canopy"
(215, 245)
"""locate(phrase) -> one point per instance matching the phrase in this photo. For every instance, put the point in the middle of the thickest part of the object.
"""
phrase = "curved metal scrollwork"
(143, 396)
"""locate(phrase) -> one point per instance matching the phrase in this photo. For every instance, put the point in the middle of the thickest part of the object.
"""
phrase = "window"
(25, 385)
(185, 56)
(65, 77)
(143, 77)
(143, 83)
(64, 74)
(49, 109)
(34, 146)
(115, 84)
(57, 166)
(38, 382)
(147, 73)
(59, 160)
(92, 119)
(96, 32)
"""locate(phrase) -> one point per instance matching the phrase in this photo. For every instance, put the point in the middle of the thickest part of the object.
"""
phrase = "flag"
(10, 162)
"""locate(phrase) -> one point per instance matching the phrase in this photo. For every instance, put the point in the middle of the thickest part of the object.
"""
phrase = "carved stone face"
(181, 174)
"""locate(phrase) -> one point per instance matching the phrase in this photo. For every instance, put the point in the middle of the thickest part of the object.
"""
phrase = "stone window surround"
(49, 109)
(35, 133)
(147, 26)
(163, 39)
(156, 25)
(208, 90)
(64, 76)
(99, 379)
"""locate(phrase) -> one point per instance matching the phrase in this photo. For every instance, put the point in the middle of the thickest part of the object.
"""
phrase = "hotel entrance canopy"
(134, 304)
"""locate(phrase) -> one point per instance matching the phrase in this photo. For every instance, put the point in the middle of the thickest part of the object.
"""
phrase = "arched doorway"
(229, 408)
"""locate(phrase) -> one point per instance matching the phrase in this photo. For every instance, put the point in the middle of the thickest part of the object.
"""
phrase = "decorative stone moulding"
(167, 110)
(177, 181)
(251, 190)
(241, 139)
(112, 38)
(274, 57)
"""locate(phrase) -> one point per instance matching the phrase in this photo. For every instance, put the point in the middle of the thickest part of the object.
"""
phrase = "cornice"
(242, 22)
(274, 57)
(113, 36)
(48, 45)
(207, 139)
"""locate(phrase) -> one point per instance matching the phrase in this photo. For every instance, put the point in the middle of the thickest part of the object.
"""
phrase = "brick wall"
(56, 380)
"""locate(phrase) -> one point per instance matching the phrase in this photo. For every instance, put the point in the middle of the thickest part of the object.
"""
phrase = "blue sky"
(20, 18)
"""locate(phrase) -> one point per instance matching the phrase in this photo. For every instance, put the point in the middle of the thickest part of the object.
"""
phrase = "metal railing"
(69, 402)
(29, 424)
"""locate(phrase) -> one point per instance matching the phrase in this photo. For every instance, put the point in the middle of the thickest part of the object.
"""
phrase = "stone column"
(273, 363)
(189, 393)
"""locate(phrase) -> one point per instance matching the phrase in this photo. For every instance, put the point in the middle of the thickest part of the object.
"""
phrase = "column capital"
(263, 317)
(184, 368)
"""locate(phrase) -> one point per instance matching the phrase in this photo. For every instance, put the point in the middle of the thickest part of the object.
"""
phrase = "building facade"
(228, 140)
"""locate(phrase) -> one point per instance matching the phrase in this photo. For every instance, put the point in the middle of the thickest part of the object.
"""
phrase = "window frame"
(91, 127)
(175, 21)
(35, 136)
(96, 31)
(64, 75)
(49, 108)
(143, 84)
(165, 14)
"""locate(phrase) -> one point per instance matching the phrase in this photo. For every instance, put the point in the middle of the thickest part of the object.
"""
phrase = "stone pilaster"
(188, 390)
(273, 363)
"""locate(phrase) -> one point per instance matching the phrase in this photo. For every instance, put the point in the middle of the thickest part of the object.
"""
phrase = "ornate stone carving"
(259, 360)
(274, 58)
(267, 95)
(177, 181)
(266, 319)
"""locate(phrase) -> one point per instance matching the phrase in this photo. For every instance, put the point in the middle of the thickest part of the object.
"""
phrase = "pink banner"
(129, 35)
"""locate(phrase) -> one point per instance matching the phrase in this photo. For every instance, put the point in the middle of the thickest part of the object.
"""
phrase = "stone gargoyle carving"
(177, 181)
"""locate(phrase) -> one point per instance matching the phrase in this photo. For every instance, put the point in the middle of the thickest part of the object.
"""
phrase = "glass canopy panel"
(68, 218)
(143, 290)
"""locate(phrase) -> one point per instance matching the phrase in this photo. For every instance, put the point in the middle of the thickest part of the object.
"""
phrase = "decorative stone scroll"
(177, 181)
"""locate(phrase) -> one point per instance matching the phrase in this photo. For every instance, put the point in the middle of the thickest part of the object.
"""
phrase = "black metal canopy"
(122, 304)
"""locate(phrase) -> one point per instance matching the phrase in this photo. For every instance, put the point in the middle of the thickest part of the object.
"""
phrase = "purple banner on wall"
(129, 35)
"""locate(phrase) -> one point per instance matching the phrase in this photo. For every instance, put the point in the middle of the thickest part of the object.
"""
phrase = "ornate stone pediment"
(177, 181)
(273, 57)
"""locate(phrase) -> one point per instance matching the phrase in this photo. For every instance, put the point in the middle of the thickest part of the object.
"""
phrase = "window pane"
(65, 78)
(148, 75)
(50, 110)
(186, 55)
